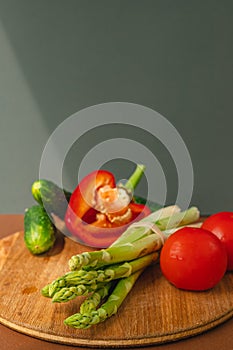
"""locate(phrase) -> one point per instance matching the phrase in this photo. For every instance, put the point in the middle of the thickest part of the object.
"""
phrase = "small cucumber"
(51, 197)
(39, 232)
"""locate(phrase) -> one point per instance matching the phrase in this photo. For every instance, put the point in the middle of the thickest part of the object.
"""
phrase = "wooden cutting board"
(154, 311)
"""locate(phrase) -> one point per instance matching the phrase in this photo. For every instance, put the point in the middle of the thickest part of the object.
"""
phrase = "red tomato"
(221, 224)
(193, 259)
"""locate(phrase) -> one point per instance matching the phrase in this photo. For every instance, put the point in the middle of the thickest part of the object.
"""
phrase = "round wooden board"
(154, 312)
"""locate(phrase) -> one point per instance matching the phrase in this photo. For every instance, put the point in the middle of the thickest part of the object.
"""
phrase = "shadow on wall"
(174, 59)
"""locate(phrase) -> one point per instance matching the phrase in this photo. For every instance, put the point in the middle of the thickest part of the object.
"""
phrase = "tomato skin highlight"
(193, 259)
(221, 224)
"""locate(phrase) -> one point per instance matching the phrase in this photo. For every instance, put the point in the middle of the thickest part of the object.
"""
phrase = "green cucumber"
(39, 231)
(51, 197)
(152, 205)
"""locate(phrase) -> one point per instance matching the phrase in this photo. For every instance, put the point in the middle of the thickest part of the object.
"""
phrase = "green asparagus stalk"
(68, 293)
(179, 219)
(72, 278)
(109, 308)
(45, 291)
(125, 252)
(169, 232)
(133, 233)
(165, 219)
(93, 300)
(94, 277)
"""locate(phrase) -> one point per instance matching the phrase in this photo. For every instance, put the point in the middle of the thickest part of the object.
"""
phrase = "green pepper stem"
(134, 179)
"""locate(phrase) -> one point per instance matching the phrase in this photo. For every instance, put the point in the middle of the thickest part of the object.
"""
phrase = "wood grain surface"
(154, 312)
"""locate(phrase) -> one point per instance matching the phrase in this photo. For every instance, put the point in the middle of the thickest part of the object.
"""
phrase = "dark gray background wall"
(58, 57)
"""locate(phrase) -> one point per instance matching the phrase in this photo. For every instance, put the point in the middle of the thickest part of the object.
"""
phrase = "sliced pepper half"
(99, 211)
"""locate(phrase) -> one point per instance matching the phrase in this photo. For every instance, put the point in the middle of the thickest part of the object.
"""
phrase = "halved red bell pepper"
(98, 211)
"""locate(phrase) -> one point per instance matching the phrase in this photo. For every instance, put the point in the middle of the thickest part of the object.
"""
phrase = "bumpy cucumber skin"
(39, 232)
(51, 197)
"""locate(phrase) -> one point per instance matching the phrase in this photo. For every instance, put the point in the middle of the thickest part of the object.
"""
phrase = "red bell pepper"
(98, 211)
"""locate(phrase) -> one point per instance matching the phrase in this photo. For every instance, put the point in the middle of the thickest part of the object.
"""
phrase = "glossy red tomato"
(221, 224)
(193, 259)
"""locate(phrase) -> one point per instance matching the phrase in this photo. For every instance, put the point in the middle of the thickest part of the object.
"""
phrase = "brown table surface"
(217, 338)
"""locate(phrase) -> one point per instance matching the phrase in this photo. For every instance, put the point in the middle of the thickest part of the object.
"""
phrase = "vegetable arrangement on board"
(106, 276)
(131, 234)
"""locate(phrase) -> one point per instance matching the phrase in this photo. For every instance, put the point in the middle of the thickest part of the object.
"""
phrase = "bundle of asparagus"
(106, 276)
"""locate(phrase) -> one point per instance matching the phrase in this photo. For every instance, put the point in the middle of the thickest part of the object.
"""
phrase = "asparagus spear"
(125, 252)
(133, 233)
(166, 218)
(93, 300)
(68, 293)
(179, 219)
(70, 279)
(45, 291)
(94, 277)
(109, 308)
